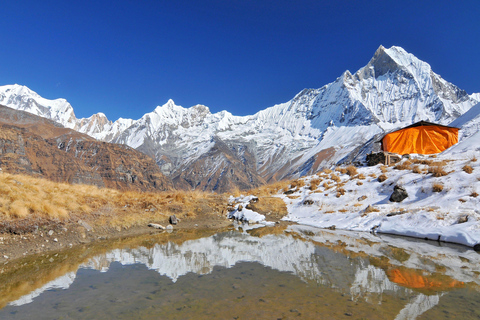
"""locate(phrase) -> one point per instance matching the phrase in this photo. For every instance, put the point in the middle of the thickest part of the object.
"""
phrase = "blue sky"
(124, 58)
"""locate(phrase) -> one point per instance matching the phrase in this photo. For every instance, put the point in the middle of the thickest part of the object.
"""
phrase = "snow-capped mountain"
(317, 128)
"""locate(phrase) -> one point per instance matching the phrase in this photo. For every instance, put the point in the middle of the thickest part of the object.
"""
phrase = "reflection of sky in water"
(324, 265)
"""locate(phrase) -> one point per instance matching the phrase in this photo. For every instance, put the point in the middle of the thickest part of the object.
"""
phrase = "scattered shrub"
(437, 187)
(314, 183)
(351, 171)
(373, 175)
(467, 168)
(405, 165)
(340, 192)
(361, 176)
(416, 169)
(335, 178)
(474, 194)
(341, 170)
(382, 178)
(437, 171)
(359, 183)
(371, 209)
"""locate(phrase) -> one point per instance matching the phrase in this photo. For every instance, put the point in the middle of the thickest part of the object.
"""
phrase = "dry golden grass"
(327, 171)
(416, 169)
(270, 206)
(437, 187)
(326, 186)
(361, 176)
(343, 210)
(405, 165)
(473, 159)
(271, 189)
(297, 183)
(437, 171)
(474, 194)
(359, 183)
(340, 192)
(352, 171)
(467, 168)
(382, 178)
(358, 204)
(335, 178)
(372, 175)
(384, 169)
(25, 197)
(342, 170)
(371, 209)
(314, 183)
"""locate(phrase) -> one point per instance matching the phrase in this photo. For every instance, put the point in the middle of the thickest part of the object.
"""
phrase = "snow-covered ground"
(360, 202)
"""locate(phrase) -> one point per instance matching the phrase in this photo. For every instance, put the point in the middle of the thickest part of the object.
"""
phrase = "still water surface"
(296, 273)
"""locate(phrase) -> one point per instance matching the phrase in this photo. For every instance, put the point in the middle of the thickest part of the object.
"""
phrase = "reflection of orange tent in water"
(421, 138)
(414, 279)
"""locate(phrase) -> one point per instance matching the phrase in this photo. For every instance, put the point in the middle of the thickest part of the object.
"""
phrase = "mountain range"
(317, 128)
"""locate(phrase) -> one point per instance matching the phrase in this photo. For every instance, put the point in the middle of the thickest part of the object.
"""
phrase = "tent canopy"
(422, 137)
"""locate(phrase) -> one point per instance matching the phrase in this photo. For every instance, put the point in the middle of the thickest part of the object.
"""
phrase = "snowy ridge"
(315, 129)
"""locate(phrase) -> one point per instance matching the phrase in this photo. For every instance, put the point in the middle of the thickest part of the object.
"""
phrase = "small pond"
(268, 273)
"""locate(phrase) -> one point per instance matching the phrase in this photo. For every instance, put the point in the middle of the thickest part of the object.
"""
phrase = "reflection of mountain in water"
(302, 257)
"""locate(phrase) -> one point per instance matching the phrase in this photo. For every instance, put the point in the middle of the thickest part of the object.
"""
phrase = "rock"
(55, 240)
(308, 202)
(254, 199)
(289, 191)
(169, 227)
(230, 208)
(362, 198)
(249, 207)
(396, 213)
(85, 225)
(50, 233)
(156, 226)
(399, 194)
(462, 219)
(173, 219)
(240, 208)
(477, 247)
(333, 227)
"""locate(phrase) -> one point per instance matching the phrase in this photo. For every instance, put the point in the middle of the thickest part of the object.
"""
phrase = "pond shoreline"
(58, 237)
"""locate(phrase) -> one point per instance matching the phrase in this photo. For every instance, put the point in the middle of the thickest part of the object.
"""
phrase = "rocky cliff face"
(39, 147)
(317, 128)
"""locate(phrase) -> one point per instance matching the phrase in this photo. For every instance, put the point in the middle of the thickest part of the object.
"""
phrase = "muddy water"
(296, 273)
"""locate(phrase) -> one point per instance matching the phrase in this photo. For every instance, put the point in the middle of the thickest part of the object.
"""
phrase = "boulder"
(173, 219)
(308, 202)
(156, 226)
(462, 219)
(399, 194)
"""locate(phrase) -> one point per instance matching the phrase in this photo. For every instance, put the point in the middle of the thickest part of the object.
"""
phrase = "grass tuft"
(352, 171)
(437, 171)
(382, 178)
(467, 168)
(437, 187)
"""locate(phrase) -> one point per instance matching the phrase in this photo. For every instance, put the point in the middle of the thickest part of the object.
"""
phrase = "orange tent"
(421, 137)
(415, 279)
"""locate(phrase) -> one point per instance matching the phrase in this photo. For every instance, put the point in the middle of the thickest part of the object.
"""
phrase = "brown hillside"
(39, 147)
